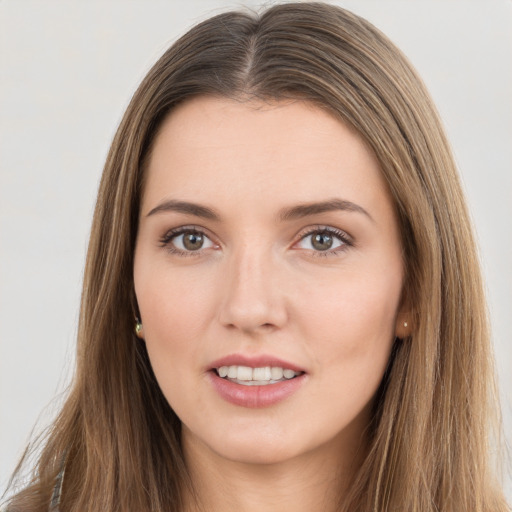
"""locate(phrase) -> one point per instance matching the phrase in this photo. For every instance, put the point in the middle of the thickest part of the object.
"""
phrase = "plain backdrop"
(67, 71)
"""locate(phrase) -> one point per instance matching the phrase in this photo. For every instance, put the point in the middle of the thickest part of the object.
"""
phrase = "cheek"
(351, 332)
(352, 322)
(175, 306)
(175, 311)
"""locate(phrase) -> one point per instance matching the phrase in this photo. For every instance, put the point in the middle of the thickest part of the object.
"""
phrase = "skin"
(259, 285)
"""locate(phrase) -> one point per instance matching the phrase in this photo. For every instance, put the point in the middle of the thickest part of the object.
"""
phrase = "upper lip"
(254, 361)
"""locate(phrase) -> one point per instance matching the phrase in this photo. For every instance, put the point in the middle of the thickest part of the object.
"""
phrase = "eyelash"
(336, 233)
(166, 240)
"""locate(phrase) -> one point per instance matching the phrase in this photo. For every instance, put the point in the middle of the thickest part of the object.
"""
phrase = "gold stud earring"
(138, 328)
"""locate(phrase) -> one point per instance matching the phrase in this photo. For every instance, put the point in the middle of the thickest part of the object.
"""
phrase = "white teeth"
(261, 373)
(288, 374)
(256, 376)
(244, 373)
(276, 373)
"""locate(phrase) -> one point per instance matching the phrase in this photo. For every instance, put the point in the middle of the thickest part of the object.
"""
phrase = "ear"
(139, 329)
(403, 324)
(404, 318)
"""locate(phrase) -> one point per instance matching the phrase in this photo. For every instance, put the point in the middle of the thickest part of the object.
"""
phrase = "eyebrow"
(187, 208)
(307, 209)
(286, 214)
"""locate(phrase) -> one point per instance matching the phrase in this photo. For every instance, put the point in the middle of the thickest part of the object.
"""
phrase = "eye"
(186, 241)
(324, 240)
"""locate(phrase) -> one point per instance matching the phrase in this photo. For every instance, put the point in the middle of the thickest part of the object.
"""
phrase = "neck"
(316, 480)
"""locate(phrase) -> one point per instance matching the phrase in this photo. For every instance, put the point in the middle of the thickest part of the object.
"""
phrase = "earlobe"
(139, 330)
(405, 316)
(403, 327)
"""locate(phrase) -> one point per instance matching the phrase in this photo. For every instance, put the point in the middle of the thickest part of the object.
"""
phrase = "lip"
(254, 396)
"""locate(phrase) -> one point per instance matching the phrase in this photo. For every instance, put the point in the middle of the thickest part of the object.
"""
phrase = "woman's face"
(268, 273)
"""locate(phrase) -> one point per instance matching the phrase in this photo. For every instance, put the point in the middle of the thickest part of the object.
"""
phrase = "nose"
(253, 298)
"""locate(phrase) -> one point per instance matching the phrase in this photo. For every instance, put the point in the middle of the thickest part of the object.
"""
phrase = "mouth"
(259, 376)
(255, 381)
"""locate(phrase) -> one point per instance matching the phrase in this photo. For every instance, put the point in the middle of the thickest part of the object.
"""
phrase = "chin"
(257, 453)
(243, 444)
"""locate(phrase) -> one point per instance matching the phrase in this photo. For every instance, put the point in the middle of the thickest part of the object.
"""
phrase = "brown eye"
(186, 241)
(325, 241)
(193, 241)
(322, 241)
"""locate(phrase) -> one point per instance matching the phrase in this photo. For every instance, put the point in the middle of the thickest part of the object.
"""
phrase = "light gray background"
(67, 71)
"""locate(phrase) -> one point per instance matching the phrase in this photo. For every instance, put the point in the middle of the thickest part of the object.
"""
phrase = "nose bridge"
(251, 295)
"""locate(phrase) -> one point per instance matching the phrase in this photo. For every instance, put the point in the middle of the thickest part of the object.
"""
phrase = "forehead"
(211, 148)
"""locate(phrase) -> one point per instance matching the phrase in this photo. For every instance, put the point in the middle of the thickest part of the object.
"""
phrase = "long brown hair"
(117, 438)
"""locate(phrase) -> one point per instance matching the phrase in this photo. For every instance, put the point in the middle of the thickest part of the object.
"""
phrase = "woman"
(282, 305)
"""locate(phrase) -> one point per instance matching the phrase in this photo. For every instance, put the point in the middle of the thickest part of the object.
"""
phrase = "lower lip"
(255, 396)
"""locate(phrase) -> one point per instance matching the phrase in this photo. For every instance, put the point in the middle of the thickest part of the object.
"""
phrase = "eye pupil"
(192, 241)
(322, 241)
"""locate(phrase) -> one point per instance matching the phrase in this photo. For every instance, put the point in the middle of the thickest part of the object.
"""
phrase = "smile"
(262, 376)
